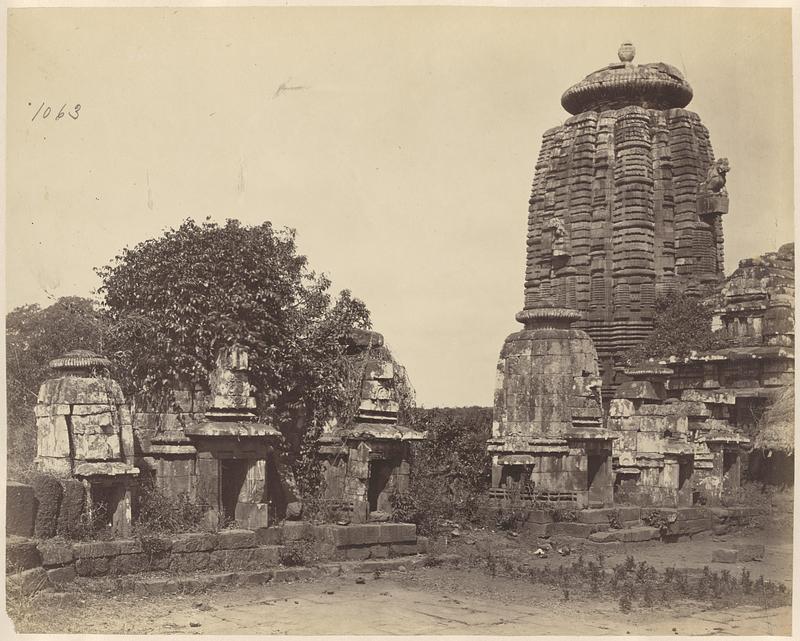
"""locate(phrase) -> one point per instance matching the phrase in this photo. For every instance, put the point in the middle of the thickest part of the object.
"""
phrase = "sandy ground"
(697, 553)
(443, 600)
(425, 601)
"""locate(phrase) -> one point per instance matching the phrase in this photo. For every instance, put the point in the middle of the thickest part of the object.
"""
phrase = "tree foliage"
(682, 324)
(173, 301)
(34, 336)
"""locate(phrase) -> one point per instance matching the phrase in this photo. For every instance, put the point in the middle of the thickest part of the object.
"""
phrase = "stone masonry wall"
(52, 563)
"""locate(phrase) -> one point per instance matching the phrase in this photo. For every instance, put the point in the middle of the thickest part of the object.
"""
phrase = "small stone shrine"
(547, 436)
(367, 458)
(212, 447)
(84, 431)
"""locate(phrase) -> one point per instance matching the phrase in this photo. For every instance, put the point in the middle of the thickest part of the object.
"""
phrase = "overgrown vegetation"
(451, 470)
(160, 513)
(640, 585)
(681, 325)
(659, 519)
(297, 553)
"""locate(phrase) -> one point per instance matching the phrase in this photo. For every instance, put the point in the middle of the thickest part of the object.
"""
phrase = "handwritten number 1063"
(43, 112)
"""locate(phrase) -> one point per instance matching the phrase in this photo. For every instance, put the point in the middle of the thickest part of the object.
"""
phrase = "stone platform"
(32, 565)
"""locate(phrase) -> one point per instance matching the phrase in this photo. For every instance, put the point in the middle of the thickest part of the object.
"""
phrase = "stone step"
(626, 535)
(156, 583)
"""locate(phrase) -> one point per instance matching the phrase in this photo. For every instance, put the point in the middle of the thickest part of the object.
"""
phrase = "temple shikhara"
(627, 205)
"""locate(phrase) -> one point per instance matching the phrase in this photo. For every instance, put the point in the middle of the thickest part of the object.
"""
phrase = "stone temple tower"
(626, 204)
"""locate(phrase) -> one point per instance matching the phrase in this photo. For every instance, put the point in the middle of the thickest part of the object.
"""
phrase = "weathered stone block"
(378, 370)
(60, 576)
(423, 544)
(267, 555)
(77, 390)
(385, 406)
(48, 492)
(194, 542)
(94, 549)
(325, 550)
(294, 510)
(723, 555)
(128, 564)
(389, 533)
(408, 532)
(134, 546)
(97, 447)
(637, 534)
(271, 535)
(232, 559)
(378, 551)
(92, 566)
(297, 530)
(72, 503)
(28, 581)
(55, 553)
(20, 509)
(720, 513)
(403, 549)
(628, 535)
(252, 515)
(21, 554)
(578, 530)
(189, 561)
(598, 516)
(360, 534)
(52, 437)
(749, 551)
(357, 553)
(236, 539)
(692, 513)
(336, 534)
(629, 513)
(690, 526)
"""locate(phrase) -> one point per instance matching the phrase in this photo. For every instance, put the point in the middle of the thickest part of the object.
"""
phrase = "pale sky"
(402, 150)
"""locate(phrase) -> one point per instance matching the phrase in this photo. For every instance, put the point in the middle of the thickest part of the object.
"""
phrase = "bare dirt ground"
(438, 600)
(429, 601)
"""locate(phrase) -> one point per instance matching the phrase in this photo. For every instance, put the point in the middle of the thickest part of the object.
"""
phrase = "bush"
(681, 324)
(161, 513)
(297, 553)
(404, 508)
(451, 470)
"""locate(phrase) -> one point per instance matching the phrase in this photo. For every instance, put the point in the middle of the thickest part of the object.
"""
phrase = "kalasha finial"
(626, 52)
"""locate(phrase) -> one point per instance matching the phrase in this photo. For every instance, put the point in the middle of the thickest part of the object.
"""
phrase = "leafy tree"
(171, 302)
(682, 324)
(34, 336)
